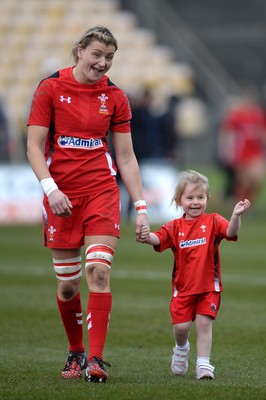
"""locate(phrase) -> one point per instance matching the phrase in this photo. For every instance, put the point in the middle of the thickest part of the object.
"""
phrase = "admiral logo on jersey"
(191, 243)
(79, 143)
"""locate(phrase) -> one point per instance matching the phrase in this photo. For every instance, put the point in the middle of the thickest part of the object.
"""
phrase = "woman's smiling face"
(94, 61)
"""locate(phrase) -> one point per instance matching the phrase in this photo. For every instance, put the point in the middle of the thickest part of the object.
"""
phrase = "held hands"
(241, 207)
(142, 228)
(144, 233)
(141, 220)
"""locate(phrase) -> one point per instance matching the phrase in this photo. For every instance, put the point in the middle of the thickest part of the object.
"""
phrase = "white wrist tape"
(141, 207)
(48, 185)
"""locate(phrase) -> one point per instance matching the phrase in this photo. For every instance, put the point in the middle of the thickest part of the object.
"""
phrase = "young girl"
(196, 280)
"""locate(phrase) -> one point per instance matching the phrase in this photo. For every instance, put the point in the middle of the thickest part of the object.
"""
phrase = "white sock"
(203, 360)
(184, 347)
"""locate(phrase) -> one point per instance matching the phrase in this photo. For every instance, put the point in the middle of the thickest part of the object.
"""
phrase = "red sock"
(71, 315)
(98, 314)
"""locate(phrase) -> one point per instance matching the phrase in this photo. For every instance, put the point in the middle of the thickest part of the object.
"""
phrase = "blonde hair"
(99, 33)
(186, 177)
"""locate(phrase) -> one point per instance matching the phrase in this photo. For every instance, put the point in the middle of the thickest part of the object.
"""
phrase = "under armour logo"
(68, 99)
(181, 234)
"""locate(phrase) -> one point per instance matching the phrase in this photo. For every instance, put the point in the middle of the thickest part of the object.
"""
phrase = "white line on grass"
(40, 271)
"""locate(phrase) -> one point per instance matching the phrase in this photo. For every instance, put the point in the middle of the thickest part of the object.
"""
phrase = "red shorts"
(185, 308)
(97, 214)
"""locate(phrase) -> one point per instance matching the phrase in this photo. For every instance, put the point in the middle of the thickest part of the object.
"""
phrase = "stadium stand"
(34, 31)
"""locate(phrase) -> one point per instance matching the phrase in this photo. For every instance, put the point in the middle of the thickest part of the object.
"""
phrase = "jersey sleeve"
(165, 235)
(221, 225)
(121, 119)
(42, 105)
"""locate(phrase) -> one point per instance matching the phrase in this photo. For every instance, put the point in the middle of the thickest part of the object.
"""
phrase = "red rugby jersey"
(79, 117)
(195, 245)
(247, 125)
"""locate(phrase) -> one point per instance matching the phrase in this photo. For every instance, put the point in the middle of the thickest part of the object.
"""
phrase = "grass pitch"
(139, 345)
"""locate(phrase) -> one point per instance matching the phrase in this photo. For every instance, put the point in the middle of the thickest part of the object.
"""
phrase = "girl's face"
(194, 200)
(94, 61)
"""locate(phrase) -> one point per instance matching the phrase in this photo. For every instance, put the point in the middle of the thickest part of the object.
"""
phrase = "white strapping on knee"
(100, 254)
(68, 269)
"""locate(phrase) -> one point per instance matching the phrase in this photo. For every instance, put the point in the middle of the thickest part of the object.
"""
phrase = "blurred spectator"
(242, 145)
(5, 138)
(168, 129)
(145, 130)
